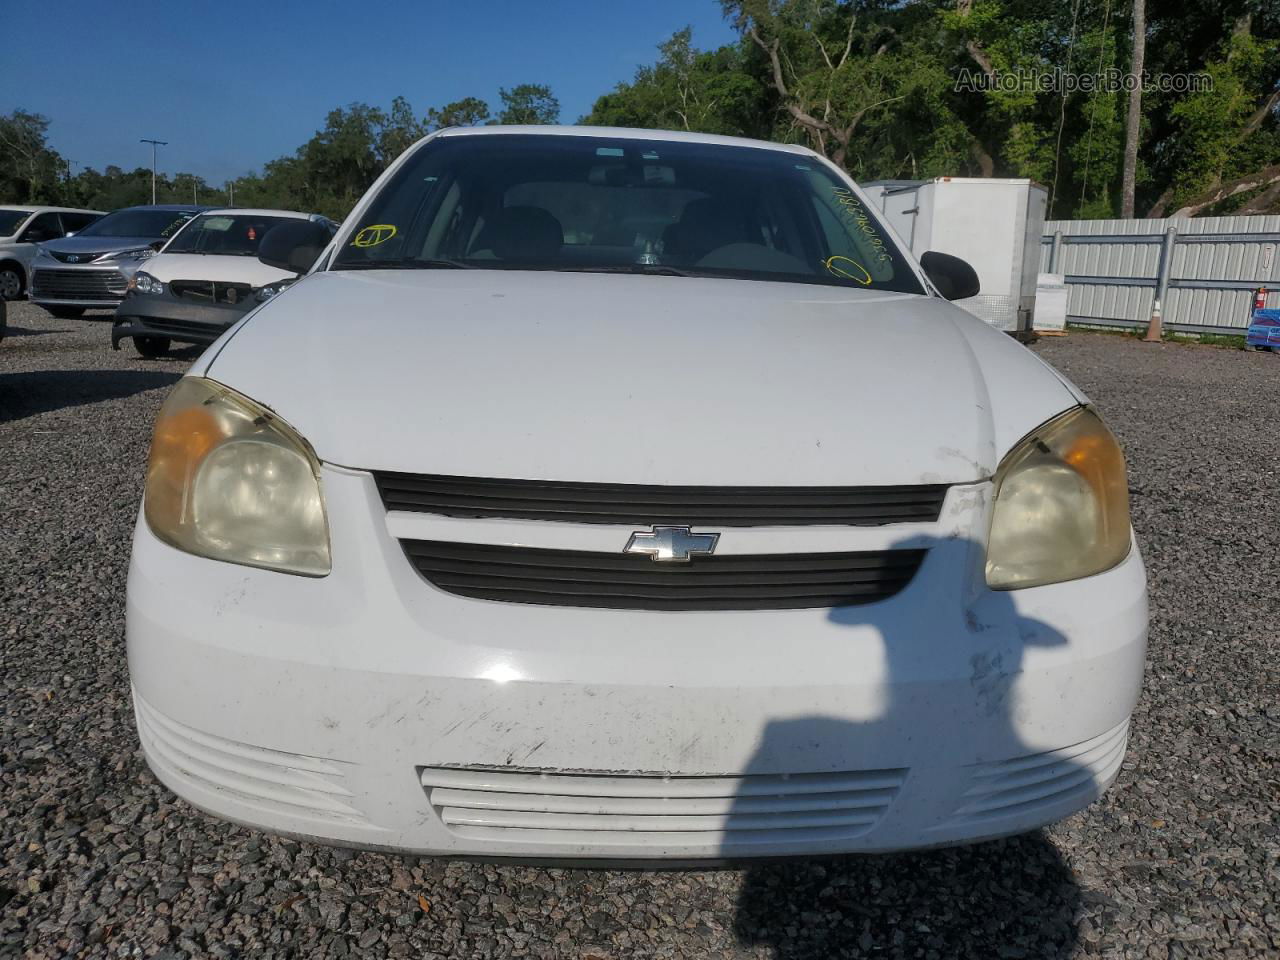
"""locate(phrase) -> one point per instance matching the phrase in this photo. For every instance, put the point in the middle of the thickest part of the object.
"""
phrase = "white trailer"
(994, 224)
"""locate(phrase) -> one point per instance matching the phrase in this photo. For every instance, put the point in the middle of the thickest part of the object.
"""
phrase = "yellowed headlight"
(227, 479)
(1061, 507)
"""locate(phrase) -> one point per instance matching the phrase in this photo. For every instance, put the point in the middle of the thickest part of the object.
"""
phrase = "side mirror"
(293, 246)
(953, 277)
(157, 244)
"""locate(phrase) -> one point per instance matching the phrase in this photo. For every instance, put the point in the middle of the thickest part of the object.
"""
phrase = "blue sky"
(233, 84)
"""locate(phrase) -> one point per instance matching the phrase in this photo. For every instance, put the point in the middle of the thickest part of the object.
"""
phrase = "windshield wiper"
(401, 264)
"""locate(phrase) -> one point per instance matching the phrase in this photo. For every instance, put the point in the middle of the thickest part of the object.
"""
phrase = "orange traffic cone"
(1155, 329)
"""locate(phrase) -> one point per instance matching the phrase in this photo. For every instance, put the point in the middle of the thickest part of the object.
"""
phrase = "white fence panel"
(1204, 271)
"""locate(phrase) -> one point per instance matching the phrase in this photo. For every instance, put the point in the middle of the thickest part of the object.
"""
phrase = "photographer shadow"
(1006, 897)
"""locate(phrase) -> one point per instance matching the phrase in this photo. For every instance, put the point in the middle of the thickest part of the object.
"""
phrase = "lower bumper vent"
(707, 813)
(271, 782)
(181, 328)
(1072, 775)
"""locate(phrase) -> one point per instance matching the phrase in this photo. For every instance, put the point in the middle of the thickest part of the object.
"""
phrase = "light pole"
(154, 144)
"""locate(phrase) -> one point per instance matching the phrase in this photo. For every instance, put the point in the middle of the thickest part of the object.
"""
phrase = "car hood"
(203, 266)
(637, 379)
(96, 244)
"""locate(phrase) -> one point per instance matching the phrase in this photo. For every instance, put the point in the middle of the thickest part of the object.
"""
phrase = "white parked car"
(22, 229)
(629, 495)
(204, 279)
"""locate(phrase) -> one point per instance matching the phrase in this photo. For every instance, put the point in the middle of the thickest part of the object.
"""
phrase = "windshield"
(10, 220)
(545, 202)
(233, 235)
(138, 223)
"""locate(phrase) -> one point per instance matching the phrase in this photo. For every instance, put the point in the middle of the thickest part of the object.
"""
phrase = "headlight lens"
(144, 282)
(1061, 505)
(229, 480)
(137, 253)
(263, 294)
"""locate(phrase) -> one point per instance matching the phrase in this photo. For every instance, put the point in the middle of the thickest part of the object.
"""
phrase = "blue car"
(1264, 331)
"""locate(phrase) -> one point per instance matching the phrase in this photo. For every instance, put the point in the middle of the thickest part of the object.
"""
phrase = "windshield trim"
(653, 270)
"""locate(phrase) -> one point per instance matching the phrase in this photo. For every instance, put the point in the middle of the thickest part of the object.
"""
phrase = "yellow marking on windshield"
(855, 216)
(374, 234)
(839, 270)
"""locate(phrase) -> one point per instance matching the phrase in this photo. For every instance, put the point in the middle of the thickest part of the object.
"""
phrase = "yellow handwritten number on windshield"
(840, 266)
(373, 235)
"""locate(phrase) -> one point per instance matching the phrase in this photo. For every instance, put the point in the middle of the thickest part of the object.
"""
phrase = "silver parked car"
(93, 268)
(21, 228)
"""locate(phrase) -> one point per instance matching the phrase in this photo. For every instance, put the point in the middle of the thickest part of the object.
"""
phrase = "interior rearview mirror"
(953, 277)
(293, 246)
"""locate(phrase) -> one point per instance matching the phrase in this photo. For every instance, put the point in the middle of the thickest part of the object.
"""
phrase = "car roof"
(623, 133)
(43, 209)
(175, 207)
(260, 212)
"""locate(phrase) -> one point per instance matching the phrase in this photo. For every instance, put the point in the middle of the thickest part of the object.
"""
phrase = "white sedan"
(629, 495)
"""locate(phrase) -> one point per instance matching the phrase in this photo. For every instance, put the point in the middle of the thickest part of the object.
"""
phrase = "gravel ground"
(1179, 860)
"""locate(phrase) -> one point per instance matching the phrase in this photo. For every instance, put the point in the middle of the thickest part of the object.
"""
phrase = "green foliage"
(467, 112)
(1209, 144)
(327, 174)
(875, 85)
(529, 103)
(29, 171)
(716, 91)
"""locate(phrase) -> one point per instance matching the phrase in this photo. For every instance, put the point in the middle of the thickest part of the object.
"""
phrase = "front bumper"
(368, 708)
(151, 315)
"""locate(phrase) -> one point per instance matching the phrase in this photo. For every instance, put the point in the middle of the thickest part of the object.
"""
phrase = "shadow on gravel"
(40, 391)
(11, 331)
(1006, 898)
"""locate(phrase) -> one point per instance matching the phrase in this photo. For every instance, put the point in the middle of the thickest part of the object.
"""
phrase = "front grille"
(579, 578)
(211, 291)
(710, 814)
(78, 284)
(74, 257)
(647, 505)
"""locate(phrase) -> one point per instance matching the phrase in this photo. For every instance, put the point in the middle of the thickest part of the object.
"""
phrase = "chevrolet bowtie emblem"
(671, 544)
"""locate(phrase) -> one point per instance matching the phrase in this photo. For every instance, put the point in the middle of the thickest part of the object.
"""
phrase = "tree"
(718, 91)
(467, 112)
(1133, 123)
(1229, 131)
(824, 88)
(399, 131)
(846, 75)
(30, 172)
(529, 103)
